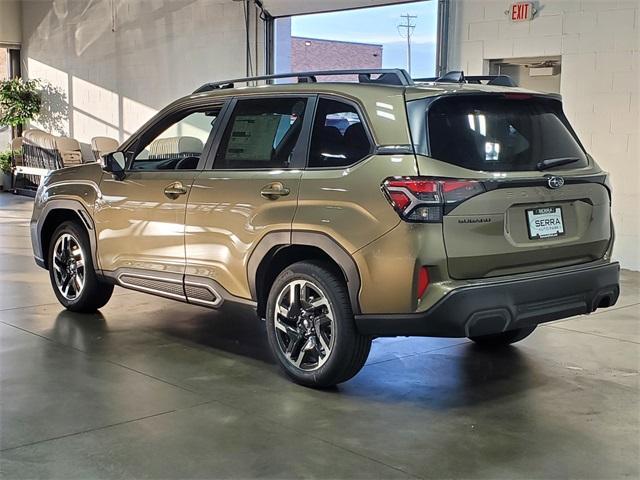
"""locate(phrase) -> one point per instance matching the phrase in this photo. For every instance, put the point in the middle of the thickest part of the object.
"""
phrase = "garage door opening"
(393, 36)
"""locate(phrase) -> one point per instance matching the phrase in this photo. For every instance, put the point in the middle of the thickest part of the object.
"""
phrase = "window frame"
(302, 145)
(363, 120)
(165, 119)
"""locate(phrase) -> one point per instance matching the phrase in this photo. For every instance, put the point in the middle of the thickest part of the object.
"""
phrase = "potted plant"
(6, 164)
(20, 101)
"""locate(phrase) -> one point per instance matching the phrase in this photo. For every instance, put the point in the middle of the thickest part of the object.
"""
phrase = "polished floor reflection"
(157, 389)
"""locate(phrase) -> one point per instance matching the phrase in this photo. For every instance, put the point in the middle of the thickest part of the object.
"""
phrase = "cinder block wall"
(110, 69)
(599, 41)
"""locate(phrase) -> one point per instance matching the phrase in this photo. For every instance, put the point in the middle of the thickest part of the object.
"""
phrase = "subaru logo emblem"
(555, 182)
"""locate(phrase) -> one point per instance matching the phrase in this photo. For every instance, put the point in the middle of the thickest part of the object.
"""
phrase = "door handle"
(274, 190)
(174, 190)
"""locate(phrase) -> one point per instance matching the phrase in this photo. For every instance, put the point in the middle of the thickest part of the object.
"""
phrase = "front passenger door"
(140, 220)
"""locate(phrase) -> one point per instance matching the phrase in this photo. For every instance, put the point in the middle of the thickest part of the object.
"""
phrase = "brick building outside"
(318, 54)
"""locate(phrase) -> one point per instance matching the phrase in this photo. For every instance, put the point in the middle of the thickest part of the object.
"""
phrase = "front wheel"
(310, 326)
(503, 339)
(71, 270)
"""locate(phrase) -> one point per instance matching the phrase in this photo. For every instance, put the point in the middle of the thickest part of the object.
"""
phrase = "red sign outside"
(521, 11)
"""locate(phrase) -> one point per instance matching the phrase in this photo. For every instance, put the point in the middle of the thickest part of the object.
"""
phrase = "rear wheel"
(311, 329)
(71, 270)
(503, 339)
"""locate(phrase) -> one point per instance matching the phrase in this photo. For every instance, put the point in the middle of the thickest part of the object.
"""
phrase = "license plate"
(545, 222)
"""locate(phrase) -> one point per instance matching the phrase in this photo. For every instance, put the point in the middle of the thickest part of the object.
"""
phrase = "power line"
(409, 25)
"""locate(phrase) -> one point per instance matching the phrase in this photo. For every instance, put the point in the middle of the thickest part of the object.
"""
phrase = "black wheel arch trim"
(312, 239)
(70, 205)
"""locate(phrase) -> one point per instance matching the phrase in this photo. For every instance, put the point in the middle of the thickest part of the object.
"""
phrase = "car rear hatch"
(535, 199)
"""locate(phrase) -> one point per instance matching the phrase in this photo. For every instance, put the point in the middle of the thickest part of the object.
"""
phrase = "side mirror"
(114, 163)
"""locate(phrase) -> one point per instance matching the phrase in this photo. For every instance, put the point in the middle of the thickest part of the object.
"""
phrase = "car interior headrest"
(175, 146)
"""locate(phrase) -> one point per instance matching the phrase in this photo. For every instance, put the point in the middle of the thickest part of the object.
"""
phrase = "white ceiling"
(280, 8)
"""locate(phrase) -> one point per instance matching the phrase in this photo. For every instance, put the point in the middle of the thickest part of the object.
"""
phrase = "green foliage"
(20, 101)
(6, 161)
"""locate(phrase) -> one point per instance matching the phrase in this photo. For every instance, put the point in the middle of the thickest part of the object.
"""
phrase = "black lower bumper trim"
(504, 304)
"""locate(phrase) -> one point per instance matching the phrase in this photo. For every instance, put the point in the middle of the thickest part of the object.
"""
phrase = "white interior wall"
(10, 23)
(110, 70)
(599, 41)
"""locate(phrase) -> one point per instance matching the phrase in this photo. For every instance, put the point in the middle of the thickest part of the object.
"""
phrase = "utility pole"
(409, 26)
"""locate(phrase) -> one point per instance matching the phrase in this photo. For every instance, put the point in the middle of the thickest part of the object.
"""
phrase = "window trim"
(303, 140)
(363, 120)
(165, 119)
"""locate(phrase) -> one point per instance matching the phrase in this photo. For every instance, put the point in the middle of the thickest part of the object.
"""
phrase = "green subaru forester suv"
(342, 212)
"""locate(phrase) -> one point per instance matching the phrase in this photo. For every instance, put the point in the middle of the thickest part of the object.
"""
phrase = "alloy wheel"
(68, 266)
(304, 325)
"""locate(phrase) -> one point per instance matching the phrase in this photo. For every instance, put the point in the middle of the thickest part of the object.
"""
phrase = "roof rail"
(459, 77)
(386, 76)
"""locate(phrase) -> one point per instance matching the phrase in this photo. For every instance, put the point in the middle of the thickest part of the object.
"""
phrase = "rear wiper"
(556, 162)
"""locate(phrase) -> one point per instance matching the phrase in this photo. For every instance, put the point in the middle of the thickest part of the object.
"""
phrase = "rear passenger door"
(340, 190)
(248, 189)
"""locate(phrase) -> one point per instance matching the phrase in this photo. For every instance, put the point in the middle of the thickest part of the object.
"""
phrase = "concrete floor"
(156, 389)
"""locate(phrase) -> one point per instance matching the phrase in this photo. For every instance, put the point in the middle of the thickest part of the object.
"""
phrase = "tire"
(503, 339)
(72, 275)
(323, 333)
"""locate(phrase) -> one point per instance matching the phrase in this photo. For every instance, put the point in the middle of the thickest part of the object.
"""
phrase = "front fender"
(70, 190)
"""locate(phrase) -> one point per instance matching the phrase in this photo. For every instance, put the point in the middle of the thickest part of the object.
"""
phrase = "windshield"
(497, 133)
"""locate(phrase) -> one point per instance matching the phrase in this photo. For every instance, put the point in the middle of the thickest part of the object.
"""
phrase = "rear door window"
(500, 132)
(261, 133)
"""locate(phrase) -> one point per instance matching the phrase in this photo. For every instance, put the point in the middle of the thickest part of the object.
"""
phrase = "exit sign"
(521, 11)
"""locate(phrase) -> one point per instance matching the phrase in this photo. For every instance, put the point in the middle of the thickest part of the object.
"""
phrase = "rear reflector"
(422, 199)
(423, 281)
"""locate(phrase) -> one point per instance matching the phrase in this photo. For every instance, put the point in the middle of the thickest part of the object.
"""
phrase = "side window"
(177, 146)
(262, 133)
(339, 138)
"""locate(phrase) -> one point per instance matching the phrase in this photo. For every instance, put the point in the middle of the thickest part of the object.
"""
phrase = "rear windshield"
(500, 132)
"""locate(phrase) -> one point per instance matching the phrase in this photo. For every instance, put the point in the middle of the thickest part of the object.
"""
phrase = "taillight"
(424, 199)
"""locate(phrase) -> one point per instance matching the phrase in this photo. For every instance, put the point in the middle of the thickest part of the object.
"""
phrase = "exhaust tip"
(605, 302)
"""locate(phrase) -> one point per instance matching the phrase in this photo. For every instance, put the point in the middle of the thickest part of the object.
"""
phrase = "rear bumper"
(504, 304)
